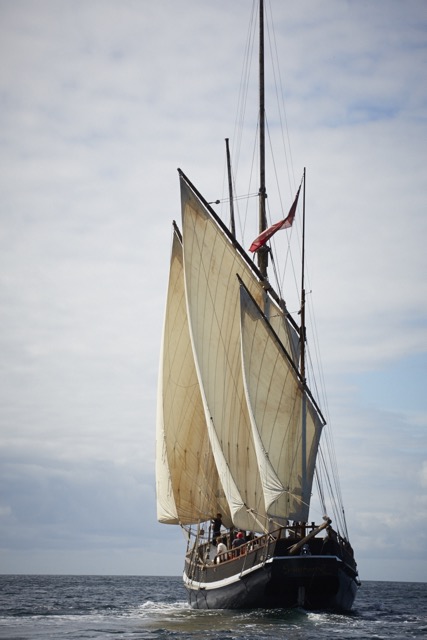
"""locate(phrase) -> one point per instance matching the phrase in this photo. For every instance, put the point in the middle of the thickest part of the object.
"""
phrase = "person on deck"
(221, 549)
(216, 527)
(237, 542)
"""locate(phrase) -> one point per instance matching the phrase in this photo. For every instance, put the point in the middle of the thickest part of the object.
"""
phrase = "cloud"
(381, 457)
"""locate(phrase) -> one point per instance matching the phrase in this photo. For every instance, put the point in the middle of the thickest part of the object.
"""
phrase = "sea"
(148, 608)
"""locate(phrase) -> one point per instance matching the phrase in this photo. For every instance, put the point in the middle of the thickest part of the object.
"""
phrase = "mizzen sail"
(274, 394)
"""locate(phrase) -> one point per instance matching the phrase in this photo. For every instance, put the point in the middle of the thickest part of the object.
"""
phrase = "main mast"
(263, 252)
(305, 495)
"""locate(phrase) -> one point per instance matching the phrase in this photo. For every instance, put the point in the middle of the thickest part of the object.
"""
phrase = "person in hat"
(237, 543)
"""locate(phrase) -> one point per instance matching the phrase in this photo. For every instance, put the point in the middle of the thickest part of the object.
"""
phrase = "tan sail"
(188, 486)
(212, 288)
(274, 395)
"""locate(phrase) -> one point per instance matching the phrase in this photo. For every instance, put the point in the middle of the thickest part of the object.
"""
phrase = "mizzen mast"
(230, 189)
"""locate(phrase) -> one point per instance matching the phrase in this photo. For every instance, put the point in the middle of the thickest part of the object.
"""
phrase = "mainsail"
(229, 410)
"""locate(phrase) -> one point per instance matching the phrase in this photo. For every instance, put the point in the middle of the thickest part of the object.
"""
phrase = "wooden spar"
(302, 329)
(305, 495)
(296, 547)
(263, 252)
(230, 190)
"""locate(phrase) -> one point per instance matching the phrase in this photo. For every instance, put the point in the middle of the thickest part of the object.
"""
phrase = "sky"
(101, 101)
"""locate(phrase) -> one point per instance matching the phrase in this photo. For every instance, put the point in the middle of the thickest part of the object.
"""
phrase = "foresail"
(188, 486)
(274, 396)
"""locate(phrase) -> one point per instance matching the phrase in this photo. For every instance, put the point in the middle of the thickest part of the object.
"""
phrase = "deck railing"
(293, 533)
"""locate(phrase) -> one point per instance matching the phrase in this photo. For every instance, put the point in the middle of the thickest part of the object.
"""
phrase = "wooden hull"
(311, 583)
(260, 579)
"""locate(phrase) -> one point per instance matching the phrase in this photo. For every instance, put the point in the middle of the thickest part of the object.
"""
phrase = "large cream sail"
(274, 395)
(211, 262)
(188, 486)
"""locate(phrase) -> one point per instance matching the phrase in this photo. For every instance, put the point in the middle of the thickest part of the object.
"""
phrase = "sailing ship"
(238, 430)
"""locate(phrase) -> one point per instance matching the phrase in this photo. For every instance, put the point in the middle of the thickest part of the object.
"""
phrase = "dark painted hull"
(271, 581)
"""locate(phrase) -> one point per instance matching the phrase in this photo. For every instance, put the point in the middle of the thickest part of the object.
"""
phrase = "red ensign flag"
(283, 224)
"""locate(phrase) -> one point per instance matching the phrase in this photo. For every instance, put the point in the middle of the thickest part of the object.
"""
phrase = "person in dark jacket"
(216, 527)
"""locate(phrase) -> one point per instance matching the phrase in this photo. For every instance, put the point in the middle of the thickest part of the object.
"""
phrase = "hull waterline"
(313, 584)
